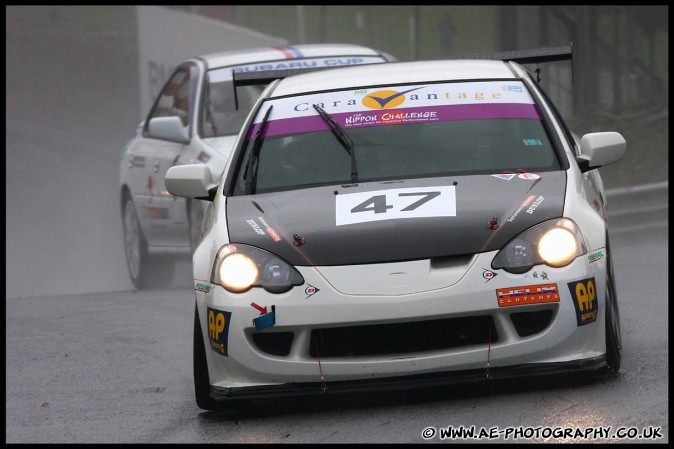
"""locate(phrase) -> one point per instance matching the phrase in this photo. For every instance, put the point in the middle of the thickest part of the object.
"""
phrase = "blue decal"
(266, 320)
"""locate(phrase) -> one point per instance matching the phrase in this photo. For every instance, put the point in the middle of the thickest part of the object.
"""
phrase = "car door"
(152, 155)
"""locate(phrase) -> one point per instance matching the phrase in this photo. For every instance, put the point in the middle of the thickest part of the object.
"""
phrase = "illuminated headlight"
(555, 243)
(240, 267)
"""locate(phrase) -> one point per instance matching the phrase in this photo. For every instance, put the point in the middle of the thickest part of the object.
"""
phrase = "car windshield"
(396, 132)
(219, 114)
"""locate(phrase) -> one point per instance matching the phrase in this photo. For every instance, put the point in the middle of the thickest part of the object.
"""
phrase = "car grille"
(274, 343)
(530, 323)
(402, 338)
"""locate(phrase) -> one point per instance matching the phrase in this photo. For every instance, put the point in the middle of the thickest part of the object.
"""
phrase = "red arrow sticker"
(262, 310)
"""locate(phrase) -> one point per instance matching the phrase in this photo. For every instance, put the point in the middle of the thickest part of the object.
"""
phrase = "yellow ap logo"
(216, 324)
(585, 295)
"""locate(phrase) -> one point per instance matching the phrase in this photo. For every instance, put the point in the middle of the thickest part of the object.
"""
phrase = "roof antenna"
(538, 74)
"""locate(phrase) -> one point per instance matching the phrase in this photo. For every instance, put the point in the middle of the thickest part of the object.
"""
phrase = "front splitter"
(399, 383)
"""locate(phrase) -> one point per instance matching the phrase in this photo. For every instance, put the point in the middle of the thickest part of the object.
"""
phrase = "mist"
(71, 106)
(72, 103)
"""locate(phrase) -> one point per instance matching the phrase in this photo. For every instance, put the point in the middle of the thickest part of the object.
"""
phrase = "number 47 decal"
(416, 202)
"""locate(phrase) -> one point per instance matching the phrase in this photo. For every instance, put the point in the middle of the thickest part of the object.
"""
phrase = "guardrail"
(638, 206)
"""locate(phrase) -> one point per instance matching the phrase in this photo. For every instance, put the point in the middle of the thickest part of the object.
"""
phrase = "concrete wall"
(167, 37)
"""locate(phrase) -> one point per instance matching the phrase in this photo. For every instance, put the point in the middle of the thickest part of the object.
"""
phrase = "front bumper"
(446, 334)
(404, 383)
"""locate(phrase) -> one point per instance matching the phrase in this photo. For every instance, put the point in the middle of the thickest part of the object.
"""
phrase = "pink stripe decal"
(361, 119)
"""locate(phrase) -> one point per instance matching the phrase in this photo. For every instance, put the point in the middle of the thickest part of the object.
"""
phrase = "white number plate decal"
(394, 204)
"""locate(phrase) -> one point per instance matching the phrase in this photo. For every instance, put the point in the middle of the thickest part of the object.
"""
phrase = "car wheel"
(135, 246)
(613, 337)
(144, 271)
(202, 383)
(196, 216)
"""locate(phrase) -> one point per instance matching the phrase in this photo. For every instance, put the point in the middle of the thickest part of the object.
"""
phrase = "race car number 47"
(394, 204)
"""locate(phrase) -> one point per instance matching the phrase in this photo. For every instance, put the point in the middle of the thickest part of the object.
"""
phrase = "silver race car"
(195, 119)
(402, 224)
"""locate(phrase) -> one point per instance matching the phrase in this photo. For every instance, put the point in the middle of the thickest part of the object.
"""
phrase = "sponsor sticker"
(310, 291)
(510, 88)
(506, 176)
(528, 176)
(203, 157)
(218, 329)
(271, 231)
(256, 227)
(595, 256)
(535, 204)
(198, 286)
(488, 275)
(157, 213)
(585, 300)
(397, 104)
(528, 294)
(225, 74)
(415, 202)
(524, 204)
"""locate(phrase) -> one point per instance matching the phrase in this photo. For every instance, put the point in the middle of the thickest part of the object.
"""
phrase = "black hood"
(300, 225)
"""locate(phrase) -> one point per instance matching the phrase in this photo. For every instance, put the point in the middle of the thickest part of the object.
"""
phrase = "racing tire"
(612, 321)
(202, 382)
(145, 271)
(135, 246)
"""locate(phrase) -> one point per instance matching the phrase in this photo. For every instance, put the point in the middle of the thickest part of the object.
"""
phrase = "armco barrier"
(645, 205)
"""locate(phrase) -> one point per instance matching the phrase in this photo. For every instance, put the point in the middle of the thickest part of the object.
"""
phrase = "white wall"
(167, 37)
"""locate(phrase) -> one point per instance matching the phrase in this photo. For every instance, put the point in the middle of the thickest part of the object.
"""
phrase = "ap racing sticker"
(415, 202)
(585, 301)
(218, 328)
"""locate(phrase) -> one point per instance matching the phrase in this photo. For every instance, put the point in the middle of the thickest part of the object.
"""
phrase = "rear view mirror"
(168, 128)
(190, 181)
(600, 149)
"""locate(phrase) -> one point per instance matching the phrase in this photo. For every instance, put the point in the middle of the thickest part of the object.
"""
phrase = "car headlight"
(239, 267)
(555, 243)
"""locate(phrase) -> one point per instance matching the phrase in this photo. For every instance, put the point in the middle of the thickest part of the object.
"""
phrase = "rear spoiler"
(533, 56)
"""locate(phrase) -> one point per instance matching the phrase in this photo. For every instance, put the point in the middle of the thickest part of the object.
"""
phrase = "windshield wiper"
(342, 137)
(259, 136)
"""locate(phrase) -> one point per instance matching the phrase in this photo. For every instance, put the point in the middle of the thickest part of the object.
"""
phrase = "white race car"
(404, 224)
(195, 119)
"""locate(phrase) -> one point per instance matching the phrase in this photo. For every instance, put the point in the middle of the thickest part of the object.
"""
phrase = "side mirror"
(168, 128)
(190, 181)
(599, 149)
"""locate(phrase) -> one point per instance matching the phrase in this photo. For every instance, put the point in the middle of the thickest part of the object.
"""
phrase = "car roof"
(283, 52)
(395, 73)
